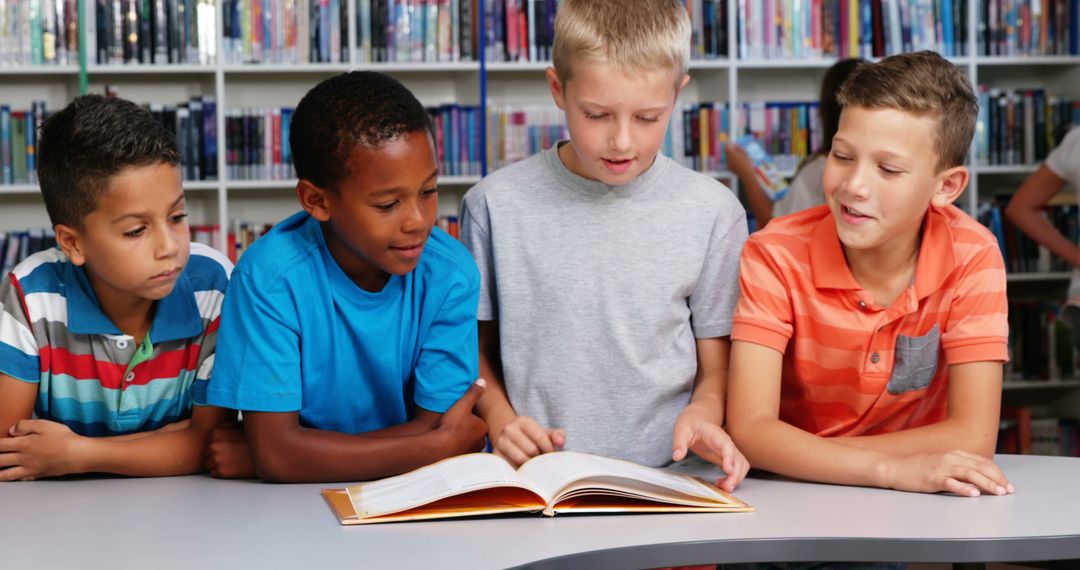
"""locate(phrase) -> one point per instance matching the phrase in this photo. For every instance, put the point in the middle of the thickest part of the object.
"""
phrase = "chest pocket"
(916, 361)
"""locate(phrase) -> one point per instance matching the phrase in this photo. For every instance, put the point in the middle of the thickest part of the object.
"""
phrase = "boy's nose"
(413, 218)
(855, 185)
(168, 243)
(619, 139)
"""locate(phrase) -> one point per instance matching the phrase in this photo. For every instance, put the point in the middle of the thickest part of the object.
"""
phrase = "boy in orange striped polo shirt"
(869, 338)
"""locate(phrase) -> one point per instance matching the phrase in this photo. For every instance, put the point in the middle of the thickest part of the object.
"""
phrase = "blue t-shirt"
(297, 335)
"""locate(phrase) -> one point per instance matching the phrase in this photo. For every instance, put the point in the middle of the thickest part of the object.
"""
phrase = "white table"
(199, 522)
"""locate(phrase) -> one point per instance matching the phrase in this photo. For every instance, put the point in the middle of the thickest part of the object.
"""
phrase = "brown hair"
(921, 83)
(631, 35)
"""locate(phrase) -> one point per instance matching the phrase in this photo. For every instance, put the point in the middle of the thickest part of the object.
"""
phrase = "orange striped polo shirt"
(852, 368)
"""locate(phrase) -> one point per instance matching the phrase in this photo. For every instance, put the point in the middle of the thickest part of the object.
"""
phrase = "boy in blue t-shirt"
(349, 331)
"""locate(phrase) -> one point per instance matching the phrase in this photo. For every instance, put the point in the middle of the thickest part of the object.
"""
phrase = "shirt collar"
(936, 259)
(175, 317)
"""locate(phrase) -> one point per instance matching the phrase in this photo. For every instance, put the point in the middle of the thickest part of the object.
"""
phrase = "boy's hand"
(464, 428)
(958, 472)
(738, 162)
(697, 430)
(227, 453)
(523, 439)
(39, 448)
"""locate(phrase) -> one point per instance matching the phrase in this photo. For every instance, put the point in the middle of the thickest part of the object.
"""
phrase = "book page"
(551, 473)
(449, 477)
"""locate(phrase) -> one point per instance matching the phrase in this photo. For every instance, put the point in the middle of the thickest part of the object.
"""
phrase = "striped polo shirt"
(90, 375)
(853, 368)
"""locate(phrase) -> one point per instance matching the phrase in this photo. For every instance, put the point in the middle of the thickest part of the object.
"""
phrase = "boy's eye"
(177, 218)
(649, 119)
(595, 116)
(839, 156)
(135, 232)
(387, 206)
(890, 170)
(430, 192)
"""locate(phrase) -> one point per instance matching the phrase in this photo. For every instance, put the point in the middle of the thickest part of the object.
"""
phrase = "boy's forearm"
(423, 422)
(710, 382)
(494, 406)
(307, 455)
(946, 435)
(154, 454)
(174, 449)
(775, 446)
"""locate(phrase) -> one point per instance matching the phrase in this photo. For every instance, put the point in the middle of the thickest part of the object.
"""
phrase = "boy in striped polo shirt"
(109, 338)
(871, 331)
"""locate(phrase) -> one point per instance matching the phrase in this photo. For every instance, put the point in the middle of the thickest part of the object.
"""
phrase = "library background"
(224, 75)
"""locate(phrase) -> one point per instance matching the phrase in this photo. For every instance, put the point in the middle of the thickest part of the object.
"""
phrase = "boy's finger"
(961, 488)
(511, 454)
(11, 459)
(523, 442)
(681, 439)
(15, 474)
(539, 437)
(985, 482)
(558, 437)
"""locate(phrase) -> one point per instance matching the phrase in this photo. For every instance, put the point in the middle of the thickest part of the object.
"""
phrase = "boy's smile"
(377, 222)
(616, 120)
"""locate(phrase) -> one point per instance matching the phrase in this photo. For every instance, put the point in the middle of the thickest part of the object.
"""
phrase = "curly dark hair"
(86, 144)
(359, 109)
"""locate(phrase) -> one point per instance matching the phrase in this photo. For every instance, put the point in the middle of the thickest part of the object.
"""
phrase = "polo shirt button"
(875, 358)
(121, 343)
(862, 304)
(129, 377)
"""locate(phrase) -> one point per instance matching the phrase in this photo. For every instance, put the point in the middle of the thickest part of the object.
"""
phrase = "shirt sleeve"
(475, 236)
(1064, 161)
(712, 302)
(19, 354)
(978, 325)
(448, 361)
(257, 361)
(210, 303)
(764, 314)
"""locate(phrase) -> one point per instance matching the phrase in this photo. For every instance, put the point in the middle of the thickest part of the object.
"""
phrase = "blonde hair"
(921, 83)
(630, 35)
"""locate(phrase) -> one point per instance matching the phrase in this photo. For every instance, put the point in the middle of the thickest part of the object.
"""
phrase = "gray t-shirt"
(600, 292)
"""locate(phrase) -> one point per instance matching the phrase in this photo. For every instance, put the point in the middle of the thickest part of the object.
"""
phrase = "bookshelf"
(722, 71)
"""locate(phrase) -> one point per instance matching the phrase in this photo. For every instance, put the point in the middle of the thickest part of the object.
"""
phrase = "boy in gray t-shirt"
(609, 273)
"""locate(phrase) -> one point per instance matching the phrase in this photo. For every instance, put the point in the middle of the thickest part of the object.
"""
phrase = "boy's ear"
(555, 86)
(70, 242)
(952, 183)
(313, 199)
(682, 84)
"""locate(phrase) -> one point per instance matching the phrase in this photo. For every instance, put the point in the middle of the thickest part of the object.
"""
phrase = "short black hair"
(345, 112)
(86, 144)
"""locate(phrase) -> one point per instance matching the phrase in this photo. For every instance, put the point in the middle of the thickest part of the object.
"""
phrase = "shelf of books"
(224, 75)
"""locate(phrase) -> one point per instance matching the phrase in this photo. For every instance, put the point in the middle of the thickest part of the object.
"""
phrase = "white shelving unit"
(257, 85)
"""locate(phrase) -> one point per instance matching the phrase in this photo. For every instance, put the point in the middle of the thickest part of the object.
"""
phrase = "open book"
(564, 481)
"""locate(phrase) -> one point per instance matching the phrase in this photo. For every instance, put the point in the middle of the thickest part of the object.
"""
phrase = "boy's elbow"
(273, 465)
(740, 428)
(1014, 212)
(273, 470)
